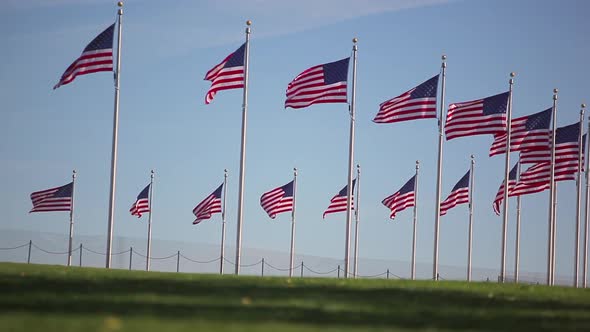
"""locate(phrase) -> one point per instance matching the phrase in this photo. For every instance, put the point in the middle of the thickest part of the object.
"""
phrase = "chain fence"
(337, 272)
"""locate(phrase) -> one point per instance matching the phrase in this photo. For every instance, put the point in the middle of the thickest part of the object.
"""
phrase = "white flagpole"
(71, 220)
(243, 152)
(587, 207)
(506, 176)
(350, 162)
(222, 255)
(441, 121)
(471, 188)
(292, 256)
(517, 244)
(413, 271)
(357, 216)
(115, 142)
(149, 236)
(551, 194)
(553, 245)
(578, 201)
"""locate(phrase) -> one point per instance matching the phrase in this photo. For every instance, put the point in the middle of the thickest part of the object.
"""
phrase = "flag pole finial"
(248, 22)
(555, 91)
(73, 173)
(355, 40)
(120, 4)
(472, 159)
(583, 105)
(444, 57)
(512, 74)
(295, 171)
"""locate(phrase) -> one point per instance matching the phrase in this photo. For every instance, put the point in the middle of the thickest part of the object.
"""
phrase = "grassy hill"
(56, 298)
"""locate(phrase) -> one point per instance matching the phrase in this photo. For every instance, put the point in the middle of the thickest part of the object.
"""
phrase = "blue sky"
(166, 126)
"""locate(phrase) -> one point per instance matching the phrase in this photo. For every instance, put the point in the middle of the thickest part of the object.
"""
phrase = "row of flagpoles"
(327, 83)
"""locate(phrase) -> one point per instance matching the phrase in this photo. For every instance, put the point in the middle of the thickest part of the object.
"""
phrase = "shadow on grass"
(254, 300)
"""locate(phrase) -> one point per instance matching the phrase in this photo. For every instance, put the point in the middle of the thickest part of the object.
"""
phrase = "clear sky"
(168, 46)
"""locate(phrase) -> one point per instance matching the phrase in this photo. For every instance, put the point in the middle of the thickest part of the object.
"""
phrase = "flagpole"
(71, 220)
(439, 169)
(517, 244)
(553, 240)
(115, 142)
(579, 200)
(413, 271)
(222, 258)
(350, 162)
(551, 194)
(243, 152)
(292, 257)
(471, 188)
(506, 176)
(356, 215)
(149, 236)
(587, 207)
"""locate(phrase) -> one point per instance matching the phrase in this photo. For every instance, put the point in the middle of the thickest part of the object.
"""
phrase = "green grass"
(56, 298)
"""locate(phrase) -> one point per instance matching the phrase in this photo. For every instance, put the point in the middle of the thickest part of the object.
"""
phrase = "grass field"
(56, 298)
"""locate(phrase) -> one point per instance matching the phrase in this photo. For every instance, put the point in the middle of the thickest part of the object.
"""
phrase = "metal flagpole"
(553, 240)
(72, 220)
(517, 244)
(350, 161)
(551, 194)
(439, 168)
(243, 152)
(357, 216)
(506, 176)
(471, 188)
(222, 255)
(115, 142)
(292, 257)
(413, 271)
(587, 207)
(149, 237)
(579, 201)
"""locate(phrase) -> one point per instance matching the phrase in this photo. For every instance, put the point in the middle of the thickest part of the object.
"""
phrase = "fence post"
(130, 256)
(387, 273)
(80, 254)
(338, 271)
(262, 272)
(301, 269)
(29, 257)
(178, 261)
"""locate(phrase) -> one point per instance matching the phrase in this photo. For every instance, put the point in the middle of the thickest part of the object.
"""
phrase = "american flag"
(54, 199)
(530, 132)
(566, 147)
(500, 195)
(278, 200)
(324, 83)
(338, 202)
(209, 206)
(96, 57)
(538, 177)
(142, 204)
(229, 74)
(417, 103)
(403, 198)
(459, 195)
(477, 117)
